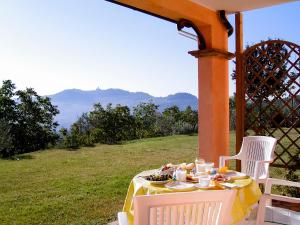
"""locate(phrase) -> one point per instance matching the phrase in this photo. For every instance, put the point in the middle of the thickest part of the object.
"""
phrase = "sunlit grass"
(87, 186)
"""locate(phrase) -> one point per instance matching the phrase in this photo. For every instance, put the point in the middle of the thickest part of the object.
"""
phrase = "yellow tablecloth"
(248, 194)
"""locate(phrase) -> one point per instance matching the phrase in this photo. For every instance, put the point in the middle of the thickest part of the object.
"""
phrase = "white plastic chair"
(256, 154)
(277, 215)
(186, 208)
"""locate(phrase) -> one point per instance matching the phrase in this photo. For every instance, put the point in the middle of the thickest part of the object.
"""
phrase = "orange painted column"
(213, 95)
(213, 108)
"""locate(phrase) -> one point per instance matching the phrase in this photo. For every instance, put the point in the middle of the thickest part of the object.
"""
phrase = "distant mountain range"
(73, 102)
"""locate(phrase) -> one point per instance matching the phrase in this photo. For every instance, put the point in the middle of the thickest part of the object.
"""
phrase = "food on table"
(223, 169)
(182, 166)
(220, 178)
(190, 166)
(213, 171)
(167, 167)
(158, 177)
(191, 178)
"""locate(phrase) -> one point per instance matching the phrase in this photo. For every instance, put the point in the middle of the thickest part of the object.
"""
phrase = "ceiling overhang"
(232, 6)
(206, 15)
(169, 10)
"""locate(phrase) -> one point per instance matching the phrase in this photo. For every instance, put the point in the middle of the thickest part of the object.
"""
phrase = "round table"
(248, 194)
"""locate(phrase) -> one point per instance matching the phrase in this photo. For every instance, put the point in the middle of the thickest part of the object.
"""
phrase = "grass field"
(86, 186)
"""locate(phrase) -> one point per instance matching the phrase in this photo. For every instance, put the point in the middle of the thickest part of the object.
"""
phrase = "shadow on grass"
(21, 157)
(73, 149)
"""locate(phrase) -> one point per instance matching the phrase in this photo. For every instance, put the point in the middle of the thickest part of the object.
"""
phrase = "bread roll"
(190, 166)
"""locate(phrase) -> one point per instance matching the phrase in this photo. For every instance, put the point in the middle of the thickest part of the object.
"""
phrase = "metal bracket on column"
(225, 22)
(189, 24)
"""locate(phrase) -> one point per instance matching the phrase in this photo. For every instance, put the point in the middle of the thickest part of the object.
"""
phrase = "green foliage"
(26, 120)
(110, 126)
(145, 115)
(113, 125)
(6, 144)
(164, 126)
(291, 174)
(172, 112)
(190, 120)
(232, 113)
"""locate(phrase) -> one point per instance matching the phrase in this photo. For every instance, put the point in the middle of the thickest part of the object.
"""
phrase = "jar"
(200, 165)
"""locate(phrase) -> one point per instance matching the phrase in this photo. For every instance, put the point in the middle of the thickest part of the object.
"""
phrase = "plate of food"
(180, 186)
(192, 179)
(157, 179)
(221, 178)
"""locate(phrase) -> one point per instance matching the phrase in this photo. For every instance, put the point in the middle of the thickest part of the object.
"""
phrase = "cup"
(200, 168)
(209, 166)
(180, 175)
(204, 181)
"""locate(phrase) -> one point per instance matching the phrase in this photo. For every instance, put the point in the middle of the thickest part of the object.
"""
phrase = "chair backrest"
(207, 207)
(256, 148)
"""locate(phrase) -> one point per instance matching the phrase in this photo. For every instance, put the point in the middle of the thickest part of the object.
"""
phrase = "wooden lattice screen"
(272, 97)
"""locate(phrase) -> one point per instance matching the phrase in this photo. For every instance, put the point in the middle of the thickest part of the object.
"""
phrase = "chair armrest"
(122, 218)
(257, 164)
(282, 198)
(272, 181)
(266, 198)
(222, 159)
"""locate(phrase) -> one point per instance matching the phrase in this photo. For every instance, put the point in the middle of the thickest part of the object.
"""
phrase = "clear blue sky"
(52, 45)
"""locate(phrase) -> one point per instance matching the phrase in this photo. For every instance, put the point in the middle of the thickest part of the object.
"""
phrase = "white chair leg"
(261, 211)
(122, 218)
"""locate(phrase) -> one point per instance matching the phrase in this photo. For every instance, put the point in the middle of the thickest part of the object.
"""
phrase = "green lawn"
(86, 186)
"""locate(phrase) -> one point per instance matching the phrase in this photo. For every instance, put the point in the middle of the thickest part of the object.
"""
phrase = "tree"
(28, 118)
(173, 112)
(190, 116)
(6, 149)
(112, 125)
(36, 126)
(145, 115)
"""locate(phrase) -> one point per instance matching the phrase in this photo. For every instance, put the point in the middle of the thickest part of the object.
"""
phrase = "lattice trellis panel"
(272, 97)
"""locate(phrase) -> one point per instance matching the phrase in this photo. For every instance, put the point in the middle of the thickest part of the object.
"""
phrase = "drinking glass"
(209, 166)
